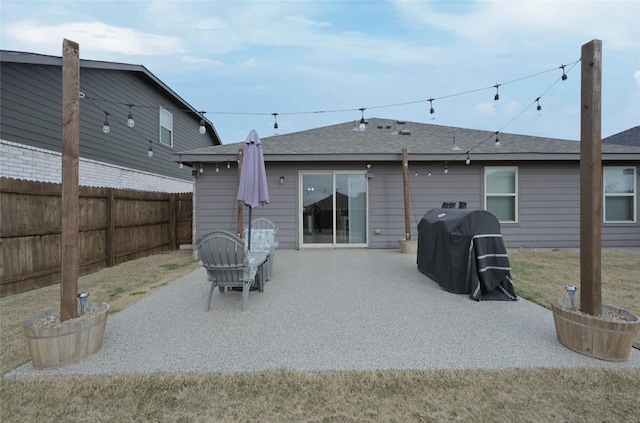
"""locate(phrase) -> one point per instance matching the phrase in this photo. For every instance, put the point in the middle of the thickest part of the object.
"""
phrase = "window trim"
(160, 126)
(515, 194)
(633, 195)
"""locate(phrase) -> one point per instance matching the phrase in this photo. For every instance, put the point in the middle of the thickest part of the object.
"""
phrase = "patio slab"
(328, 310)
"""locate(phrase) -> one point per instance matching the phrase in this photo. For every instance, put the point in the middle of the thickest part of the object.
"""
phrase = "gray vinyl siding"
(548, 201)
(32, 114)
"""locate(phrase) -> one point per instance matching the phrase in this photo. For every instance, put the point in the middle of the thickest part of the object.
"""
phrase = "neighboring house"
(338, 187)
(31, 124)
(629, 137)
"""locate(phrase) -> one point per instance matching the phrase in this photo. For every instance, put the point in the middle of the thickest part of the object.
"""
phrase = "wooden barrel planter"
(67, 343)
(605, 339)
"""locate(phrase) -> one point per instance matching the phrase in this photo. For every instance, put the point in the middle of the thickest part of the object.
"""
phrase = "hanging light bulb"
(228, 165)
(275, 123)
(497, 143)
(497, 96)
(539, 107)
(432, 111)
(217, 168)
(416, 174)
(181, 165)
(564, 75)
(105, 127)
(201, 168)
(150, 152)
(362, 125)
(202, 129)
(429, 174)
(446, 170)
(468, 161)
(130, 122)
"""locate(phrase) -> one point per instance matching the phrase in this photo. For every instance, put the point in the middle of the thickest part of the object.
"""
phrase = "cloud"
(95, 36)
(531, 24)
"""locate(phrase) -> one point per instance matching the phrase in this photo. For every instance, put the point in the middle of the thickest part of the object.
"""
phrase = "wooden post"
(111, 228)
(173, 230)
(591, 179)
(70, 151)
(240, 206)
(405, 181)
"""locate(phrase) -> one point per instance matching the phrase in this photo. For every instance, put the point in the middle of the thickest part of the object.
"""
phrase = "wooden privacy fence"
(115, 226)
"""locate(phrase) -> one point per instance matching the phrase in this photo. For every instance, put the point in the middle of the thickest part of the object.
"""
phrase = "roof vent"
(404, 132)
(379, 126)
(401, 122)
(388, 126)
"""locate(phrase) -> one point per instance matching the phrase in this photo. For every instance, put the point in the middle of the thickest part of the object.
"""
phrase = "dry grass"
(532, 395)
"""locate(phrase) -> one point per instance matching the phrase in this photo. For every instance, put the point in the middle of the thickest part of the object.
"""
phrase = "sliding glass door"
(334, 208)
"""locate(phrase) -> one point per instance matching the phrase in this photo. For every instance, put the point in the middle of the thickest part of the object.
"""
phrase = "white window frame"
(160, 126)
(514, 194)
(606, 195)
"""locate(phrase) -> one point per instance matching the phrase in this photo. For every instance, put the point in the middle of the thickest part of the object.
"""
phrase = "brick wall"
(21, 161)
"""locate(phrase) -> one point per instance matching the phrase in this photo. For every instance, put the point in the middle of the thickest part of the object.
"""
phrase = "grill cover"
(463, 251)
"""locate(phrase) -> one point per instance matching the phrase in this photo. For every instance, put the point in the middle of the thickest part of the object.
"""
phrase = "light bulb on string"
(201, 168)
(275, 123)
(150, 152)
(416, 173)
(105, 127)
(180, 165)
(497, 96)
(130, 122)
(497, 143)
(217, 168)
(203, 128)
(432, 111)
(362, 125)
(228, 165)
(429, 174)
(539, 107)
(446, 170)
(564, 75)
(468, 160)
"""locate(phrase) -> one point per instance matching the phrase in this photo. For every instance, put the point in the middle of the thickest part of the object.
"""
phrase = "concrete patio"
(324, 310)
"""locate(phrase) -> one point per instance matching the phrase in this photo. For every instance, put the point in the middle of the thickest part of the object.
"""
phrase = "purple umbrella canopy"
(252, 189)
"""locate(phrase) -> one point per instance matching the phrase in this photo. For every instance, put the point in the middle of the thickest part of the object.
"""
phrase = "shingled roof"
(384, 139)
(629, 137)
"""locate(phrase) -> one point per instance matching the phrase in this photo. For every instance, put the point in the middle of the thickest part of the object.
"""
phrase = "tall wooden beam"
(405, 184)
(591, 179)
(70, 151)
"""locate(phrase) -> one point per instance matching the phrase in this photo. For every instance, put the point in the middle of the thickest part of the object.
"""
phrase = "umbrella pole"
(249, 231)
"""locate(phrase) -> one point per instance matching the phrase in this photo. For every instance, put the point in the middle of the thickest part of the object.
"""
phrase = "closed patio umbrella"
(252, 190)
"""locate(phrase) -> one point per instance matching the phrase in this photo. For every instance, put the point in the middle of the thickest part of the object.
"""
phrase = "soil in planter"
(608, 315)
(53, 321)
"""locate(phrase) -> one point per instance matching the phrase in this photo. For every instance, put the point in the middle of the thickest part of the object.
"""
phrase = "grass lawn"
(529, 395)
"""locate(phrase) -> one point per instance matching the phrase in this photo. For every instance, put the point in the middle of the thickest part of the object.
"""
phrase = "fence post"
(111, 227)
(173, 222)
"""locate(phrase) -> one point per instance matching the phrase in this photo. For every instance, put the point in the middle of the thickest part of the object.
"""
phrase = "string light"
(180, 165)
(362, 125)
(105, 127)
(497, 143)
(201, 168)
(416, 173)
(275, 123)
(217, 168)
(228, 165)
(150, 152)
(497, 96)
(203, 128)
(429, 174)
(130, 122)
(432, 111)
(564, 75)
(446, 170)
(468, 161)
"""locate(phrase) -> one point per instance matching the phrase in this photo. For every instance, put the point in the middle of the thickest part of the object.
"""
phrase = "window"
(619, 194)
(501, 192)
(166, 127)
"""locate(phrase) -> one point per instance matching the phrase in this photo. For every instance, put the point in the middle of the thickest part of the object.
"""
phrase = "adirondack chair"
(263, 234)
(229, 265)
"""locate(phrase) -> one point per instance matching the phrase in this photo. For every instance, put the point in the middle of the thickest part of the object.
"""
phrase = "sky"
(317, 63)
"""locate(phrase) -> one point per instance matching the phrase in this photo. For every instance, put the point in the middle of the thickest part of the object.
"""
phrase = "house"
(336, 186)
(137, 157)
